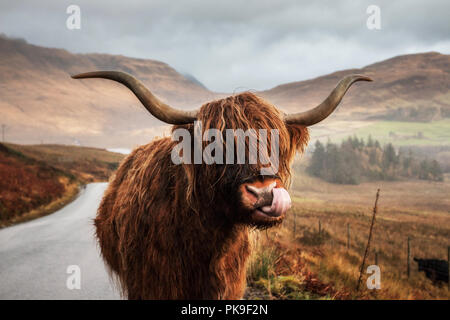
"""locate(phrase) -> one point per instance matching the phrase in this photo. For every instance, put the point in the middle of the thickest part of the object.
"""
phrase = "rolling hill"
(416, 81)
(40, 103)
(37, 180)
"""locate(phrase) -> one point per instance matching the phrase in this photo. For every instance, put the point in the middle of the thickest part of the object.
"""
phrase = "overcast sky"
(234, 44)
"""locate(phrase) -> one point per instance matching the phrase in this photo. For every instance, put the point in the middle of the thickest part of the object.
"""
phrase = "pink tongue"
(280, 204)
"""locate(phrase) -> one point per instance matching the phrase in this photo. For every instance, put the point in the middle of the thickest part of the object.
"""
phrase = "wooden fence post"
(294, 225)
(3, 132)
(366, 252)
(348, 236)
(320, 229)
(408, 258)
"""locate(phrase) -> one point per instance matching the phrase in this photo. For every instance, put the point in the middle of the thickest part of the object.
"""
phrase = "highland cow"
(181, 231)
(435, 270)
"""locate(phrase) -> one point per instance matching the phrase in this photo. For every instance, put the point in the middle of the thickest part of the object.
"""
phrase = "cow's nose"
(264, 195)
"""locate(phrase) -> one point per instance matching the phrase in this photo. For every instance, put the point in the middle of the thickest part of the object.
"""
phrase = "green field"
(436, 133)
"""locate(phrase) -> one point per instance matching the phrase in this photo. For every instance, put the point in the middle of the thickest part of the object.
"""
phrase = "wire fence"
(400, 255)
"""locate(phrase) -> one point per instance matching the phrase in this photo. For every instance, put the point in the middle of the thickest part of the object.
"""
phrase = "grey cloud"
(230, 44)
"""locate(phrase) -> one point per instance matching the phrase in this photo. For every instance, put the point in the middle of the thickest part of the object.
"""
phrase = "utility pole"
(3, 132)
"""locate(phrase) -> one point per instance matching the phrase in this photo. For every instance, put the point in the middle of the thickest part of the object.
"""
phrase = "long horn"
(156, 107)
(323, 110)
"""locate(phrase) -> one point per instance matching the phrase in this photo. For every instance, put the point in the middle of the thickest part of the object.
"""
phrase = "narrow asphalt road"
(35, 256)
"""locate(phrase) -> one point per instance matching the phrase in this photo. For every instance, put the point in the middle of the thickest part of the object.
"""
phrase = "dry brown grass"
(416, 209)
(38, 180)
(71, 191)
(87, 164)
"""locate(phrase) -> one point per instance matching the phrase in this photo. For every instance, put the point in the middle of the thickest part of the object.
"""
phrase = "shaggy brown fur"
(179, 231)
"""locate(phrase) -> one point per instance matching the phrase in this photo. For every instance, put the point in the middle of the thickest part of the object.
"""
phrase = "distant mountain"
(40, 103)
(190, 77)
(419, 82)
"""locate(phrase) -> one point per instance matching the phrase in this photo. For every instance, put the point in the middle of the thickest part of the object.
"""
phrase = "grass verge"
(70, 194)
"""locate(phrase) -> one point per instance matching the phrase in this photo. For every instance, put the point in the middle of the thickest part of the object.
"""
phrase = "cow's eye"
(274, 176)
(259, 177)
(249, 179)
